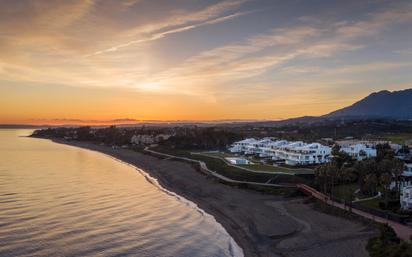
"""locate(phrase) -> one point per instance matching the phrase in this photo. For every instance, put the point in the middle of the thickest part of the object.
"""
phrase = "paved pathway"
(204, 167)
(402, 231)
(367, 199)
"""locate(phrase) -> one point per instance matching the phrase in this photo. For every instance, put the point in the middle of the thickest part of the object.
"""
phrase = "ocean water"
(58, 200)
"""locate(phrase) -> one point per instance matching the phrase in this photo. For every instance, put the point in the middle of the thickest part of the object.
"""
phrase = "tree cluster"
(371, 175)
(387, 244)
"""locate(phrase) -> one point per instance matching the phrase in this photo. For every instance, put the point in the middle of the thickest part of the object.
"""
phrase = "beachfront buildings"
(405, 178)
(295, 153)
(408, 168)
(299, 153)
(250, 146)
(237, 160)
(358, 150)
(406, 198)
(405, 187)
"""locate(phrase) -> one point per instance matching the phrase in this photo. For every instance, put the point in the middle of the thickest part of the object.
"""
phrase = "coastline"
(261, 224)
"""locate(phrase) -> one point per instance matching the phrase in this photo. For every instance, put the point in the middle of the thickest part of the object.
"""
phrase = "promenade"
(404, 232)
(208, 171)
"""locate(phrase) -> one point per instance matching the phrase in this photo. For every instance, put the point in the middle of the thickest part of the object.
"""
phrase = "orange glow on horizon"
(95, 62)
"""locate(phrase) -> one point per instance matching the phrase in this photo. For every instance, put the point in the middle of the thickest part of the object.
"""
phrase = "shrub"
(387, 244)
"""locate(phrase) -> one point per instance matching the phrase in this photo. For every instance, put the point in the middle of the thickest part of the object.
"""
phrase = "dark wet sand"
(263, 225)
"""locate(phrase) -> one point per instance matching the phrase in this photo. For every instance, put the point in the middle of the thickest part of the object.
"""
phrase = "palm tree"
(321, 174)
(386, 180)
(371, 183)
(397, 167)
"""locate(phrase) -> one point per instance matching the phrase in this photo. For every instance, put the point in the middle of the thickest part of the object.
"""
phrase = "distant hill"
(394, 105)
(383, 104)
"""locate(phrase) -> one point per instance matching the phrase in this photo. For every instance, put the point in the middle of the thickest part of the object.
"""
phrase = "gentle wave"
(235, 249)
(58, 200)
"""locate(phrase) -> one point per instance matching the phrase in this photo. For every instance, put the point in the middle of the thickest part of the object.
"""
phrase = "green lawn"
(399, 138)
(264, 167)
(261, 167)
(219, 154)
(345, 191)
(221, 167)
(373, 203)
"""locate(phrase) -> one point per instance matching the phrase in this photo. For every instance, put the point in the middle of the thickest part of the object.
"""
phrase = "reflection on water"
(57, 200)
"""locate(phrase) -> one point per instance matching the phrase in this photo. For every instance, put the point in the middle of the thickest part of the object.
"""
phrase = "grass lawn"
(399, 138)
(263, 167)
(221, 167)
(373, 203)
(344, 191)
(219, 154)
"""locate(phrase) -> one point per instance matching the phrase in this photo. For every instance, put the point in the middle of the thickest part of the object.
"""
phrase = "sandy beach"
(263, 225)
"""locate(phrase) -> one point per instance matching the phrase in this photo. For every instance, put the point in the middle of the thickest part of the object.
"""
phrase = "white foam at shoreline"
(234, 248)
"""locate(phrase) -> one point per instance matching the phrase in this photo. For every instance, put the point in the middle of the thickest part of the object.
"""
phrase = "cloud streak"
(233, 62)
(163, 34)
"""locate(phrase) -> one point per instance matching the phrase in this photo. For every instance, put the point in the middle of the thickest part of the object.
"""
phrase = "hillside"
(383, 104)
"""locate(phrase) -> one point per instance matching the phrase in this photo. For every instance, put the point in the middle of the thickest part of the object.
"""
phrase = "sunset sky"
(101, 60)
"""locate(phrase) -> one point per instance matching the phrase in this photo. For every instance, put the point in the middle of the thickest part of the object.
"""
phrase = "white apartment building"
(406, 198)
(307, 154)
(294, 153)
(405, 187)
(243, 146)
(358, 151)
(354, 147)
(408, 169)
(237, 161)
(405, 180)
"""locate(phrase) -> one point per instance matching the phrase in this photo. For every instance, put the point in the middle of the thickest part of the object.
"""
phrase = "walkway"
(204, 167)
(402, 231)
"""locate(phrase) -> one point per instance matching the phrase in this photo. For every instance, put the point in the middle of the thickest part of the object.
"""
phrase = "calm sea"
(58, 200)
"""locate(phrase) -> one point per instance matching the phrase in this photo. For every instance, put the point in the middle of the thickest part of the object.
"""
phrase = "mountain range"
(396, 105)
(382, 104)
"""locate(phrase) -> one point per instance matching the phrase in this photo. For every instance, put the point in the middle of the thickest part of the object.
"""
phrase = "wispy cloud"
(404, 52)
(375, 23)
(163, 34)
(348, 69)
(238, 61)
(179, 23)
(255, 56)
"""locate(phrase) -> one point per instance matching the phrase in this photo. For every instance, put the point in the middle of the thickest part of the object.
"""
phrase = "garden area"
(375, 179)
(261, 165)
(220, 166)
